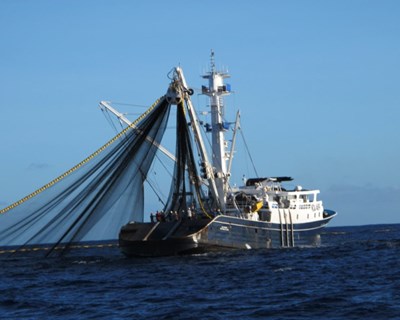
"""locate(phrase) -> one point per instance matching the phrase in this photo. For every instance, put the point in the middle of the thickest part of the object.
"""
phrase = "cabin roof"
(253, 181)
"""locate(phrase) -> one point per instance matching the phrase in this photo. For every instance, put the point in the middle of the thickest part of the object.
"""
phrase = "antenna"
(212, 61)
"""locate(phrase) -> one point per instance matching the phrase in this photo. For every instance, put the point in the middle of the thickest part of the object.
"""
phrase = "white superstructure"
(272, 202)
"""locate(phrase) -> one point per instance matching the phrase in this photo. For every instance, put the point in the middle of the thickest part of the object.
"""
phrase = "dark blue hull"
(238, 233)
(222, 232)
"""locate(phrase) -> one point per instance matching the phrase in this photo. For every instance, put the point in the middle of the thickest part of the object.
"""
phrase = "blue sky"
(317, 83)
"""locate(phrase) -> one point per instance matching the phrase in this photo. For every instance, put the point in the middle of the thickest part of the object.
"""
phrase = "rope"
(108, 118)
(84, 246)
(248, 152)
(201, 203)
(155, 192)
(94, 154)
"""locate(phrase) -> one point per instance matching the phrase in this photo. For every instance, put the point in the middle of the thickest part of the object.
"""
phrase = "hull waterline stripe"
(324, 223)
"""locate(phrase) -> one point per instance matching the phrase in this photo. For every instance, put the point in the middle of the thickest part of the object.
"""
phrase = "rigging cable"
(130, 104)
(155, 191)
(248, 152)
(109, 120)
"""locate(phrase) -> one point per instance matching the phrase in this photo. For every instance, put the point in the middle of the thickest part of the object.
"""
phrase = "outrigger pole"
(121, 117)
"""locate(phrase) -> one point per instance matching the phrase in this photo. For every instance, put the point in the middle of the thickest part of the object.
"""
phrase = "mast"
(216, 90)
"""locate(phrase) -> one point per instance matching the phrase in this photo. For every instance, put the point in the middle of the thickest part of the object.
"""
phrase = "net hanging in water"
(186, 191)
(94, 199)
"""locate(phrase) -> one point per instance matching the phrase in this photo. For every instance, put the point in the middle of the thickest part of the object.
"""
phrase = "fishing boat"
(101, 199)
(204, 211)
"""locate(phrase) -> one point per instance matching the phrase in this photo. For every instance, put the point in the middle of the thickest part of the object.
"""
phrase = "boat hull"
(161, 238)
(220, 233)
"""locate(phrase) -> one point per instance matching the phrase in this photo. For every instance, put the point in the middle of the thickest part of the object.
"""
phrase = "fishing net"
(94, 199)
(186, 191)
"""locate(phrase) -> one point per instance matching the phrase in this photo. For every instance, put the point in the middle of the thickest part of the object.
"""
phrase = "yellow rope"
(53, 182)
(202, 206)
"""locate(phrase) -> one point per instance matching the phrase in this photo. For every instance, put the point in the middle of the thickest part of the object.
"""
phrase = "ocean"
(354, 274)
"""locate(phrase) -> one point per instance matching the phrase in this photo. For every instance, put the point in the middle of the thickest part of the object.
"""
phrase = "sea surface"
(354, 274)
